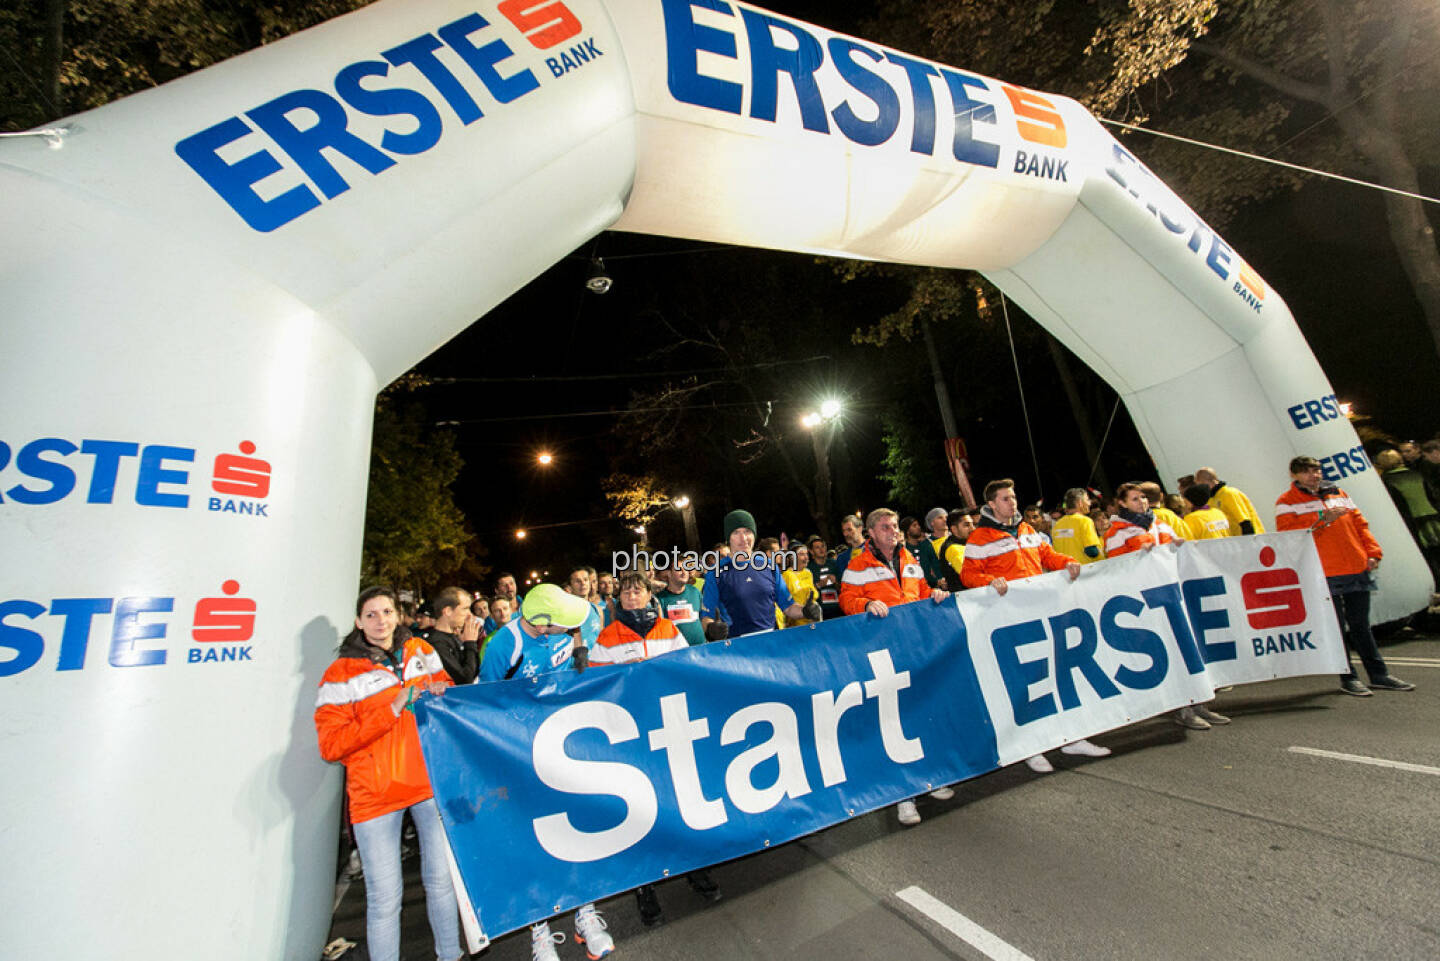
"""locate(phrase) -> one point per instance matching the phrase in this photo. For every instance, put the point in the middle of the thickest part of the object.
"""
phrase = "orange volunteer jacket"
(1012, 553)
(867, 578)
(1345, 545)
(619, 644)
(1123, 537)
(384, 769)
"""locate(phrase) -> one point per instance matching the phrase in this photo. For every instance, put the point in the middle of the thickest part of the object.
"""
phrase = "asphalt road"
(1222, 844)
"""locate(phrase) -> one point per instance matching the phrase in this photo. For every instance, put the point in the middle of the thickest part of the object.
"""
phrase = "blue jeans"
(379, 842)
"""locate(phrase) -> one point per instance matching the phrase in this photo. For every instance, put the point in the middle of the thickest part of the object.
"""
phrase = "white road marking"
(1413, 661)
(1362, 759)
(961, 926)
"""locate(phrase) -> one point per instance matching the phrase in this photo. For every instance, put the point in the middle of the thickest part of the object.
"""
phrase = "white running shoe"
(542, 942)
(590, 930)
(908, 813)
(1039, 764)
(943, 794)
(1084, 748)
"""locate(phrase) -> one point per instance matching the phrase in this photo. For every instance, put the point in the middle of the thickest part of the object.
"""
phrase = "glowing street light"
(521, 534)
(828, 414)
(545, 458)
(681, 502)
(830, 410)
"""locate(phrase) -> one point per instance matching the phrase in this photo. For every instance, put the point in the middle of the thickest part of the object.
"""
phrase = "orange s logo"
(545, 23)
(1036, 117)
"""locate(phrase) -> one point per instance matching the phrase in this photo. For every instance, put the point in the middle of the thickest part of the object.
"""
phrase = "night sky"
(1325, 249)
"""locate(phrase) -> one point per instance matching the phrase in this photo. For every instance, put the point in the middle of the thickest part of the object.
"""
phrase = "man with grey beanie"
(742, 592)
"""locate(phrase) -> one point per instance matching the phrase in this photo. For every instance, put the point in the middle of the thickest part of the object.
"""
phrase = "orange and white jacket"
(619, 643)
(1345, 545)
(1012, 553)
(384, 769)
(867, 578)
(1123, 537)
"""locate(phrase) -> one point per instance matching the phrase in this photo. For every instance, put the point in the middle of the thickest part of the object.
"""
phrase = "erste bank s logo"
(1273, 598)
(48, 470)
(135, 631)
(276, 161)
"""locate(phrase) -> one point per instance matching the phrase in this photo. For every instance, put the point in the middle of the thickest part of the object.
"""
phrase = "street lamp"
(545, 458)
(828, 416)
(521, 534)
(687, 515)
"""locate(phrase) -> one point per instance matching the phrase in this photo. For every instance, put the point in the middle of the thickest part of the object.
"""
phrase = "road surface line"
(961, 926)
(1362, 759)
(1413, 661)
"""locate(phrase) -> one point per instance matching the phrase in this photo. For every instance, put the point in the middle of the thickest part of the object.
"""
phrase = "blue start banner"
(566, 788)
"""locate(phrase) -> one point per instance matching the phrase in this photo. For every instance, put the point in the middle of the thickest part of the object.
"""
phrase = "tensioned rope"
(1270, 160)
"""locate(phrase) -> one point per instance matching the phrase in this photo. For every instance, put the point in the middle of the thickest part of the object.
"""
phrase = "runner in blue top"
(742, 593)
(541, 641)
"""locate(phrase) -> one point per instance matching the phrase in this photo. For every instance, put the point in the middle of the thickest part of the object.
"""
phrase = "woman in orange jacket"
(363, 719)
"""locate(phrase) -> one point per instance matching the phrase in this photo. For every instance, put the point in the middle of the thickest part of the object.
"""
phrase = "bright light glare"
(520, 535)
(810, 420)
(1347, 408)
(545, 458)
(682, 502)
(640, 530)
(830, 408)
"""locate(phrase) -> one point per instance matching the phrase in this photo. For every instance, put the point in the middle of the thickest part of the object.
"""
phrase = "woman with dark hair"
(363, 719)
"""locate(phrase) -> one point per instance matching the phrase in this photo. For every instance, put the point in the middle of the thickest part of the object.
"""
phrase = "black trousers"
(1352, 610)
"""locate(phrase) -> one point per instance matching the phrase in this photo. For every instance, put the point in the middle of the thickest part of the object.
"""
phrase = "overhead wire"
(1024, 407)
(1271, 160)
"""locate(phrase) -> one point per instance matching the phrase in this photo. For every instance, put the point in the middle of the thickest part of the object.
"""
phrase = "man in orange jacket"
(883, 574)
(1349, 555)
(1004, 548)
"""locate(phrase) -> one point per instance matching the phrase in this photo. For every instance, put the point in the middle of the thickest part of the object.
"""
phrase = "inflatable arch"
(206, 284)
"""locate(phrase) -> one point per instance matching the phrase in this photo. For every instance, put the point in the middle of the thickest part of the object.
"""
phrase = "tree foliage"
(635, 499)
(112, 48)
(1347, 86)
(415, 535)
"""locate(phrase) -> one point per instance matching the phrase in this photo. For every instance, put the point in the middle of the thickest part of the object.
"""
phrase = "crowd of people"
(600, 620)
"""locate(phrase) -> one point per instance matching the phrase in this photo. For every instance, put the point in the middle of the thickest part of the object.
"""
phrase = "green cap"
(549, 605)
(737, 519)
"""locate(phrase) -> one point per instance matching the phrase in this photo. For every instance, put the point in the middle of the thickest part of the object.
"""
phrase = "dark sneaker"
(649, 906)
(1388, 682)
(1350, 684)
(704, 885)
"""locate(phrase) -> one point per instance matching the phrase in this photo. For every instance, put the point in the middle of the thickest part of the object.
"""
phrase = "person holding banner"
(363, 719)
(543, 640)
(883, 574)
(1005, 548)
(639, 632)
(1349, 555)
(1135, 526)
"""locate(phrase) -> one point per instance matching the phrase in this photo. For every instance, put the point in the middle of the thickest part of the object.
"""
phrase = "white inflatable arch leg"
(205, 285)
